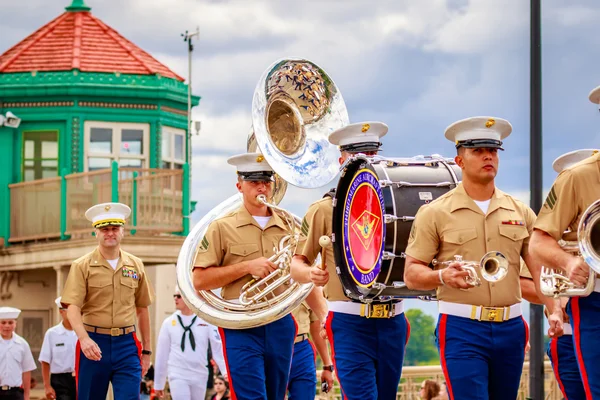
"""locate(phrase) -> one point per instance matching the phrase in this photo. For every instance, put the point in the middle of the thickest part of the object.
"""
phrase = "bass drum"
(374, 205)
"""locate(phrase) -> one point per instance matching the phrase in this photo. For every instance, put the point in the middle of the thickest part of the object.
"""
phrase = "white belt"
(481, 313)
(567, 329)
(380, 310)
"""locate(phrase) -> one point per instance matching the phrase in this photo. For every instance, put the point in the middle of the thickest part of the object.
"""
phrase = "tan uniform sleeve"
(560, 208)
(210, 252)
(144, 295)
(313, 227)
(424, 240)
(75, 289)
(530, 223)
(525, 270)
(312, 316)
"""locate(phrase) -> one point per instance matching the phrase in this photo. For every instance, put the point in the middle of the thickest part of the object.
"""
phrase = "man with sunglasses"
(58, 359)
(181, 353)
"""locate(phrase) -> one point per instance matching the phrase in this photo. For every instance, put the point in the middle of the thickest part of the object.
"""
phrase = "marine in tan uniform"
(368, 352)
(107, 292)
(481, 334)
(235, 248)
(573, 191)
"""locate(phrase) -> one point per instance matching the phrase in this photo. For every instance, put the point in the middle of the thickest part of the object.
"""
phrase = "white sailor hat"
(252, 167)
(475, 132)
(595, 95)
(57, 301)
(9, 313)
(359, 137)
(570, 158)
(108, 214)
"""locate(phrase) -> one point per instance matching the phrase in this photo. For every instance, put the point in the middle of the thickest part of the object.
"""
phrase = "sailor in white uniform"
(16, 359)
(181, 354)
(58, 359)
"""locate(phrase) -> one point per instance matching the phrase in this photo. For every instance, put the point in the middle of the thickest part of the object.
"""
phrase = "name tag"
(129, 272)
(59, 344)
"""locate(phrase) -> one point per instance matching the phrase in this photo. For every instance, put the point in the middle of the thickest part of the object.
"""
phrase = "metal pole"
(536, 355)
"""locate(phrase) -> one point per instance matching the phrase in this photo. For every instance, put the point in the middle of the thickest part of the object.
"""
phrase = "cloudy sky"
(418, 66)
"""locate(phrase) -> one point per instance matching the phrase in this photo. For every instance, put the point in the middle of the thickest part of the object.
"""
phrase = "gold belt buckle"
(492, 314)
(377, 310)
(115, 331)
(5, 387)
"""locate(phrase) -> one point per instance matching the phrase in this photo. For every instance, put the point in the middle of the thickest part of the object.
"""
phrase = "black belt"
(7, 388)
(301, 338)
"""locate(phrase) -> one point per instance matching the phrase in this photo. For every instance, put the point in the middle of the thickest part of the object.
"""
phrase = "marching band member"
(481, 334)
(303, 375)
(58, 359)
(573, 191)
(181, 353)
(104, 292)
(367, 348)
(235, 248)
(17, 360)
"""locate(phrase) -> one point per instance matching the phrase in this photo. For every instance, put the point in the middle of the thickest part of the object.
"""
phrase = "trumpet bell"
(296, 106)
(494, 266)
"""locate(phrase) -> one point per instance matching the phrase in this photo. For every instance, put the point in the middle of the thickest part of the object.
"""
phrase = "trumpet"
(554, 283)
(493, 266)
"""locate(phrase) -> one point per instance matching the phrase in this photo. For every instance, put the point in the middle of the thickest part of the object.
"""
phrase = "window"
(173, 148)
(40, 155)
(126, 143)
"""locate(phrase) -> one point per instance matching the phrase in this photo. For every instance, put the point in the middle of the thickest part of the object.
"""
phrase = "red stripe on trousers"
(407, 330)
(77, 353)
(576, 335)
(229, 377)
(526, 332)
(442, 339)
(554, 355)
(330, 336)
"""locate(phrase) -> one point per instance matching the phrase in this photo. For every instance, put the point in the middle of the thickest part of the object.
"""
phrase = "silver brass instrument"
(493, 266)
(295, 106)
(555, 283)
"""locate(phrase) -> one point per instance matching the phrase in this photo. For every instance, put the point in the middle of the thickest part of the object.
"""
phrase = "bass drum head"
(359, 232)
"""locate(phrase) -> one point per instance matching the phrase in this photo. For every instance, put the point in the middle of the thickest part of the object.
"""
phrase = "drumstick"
(324, 242)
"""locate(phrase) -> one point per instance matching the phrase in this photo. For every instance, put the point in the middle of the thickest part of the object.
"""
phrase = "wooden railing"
(413, 376)
(55, 207)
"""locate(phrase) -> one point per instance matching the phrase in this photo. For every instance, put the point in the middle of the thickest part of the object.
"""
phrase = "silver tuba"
(295, 107)
(555, 283)
(493, 266)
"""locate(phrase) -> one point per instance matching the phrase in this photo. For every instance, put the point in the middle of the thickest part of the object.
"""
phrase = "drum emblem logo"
(363, 231)
(365, 226)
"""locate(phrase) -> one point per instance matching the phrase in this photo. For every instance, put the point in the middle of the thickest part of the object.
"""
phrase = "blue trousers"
(303, 375)
(481, 360)
(259, 359)
(564, 363)
(120, 364)
(368, 354)
(584, 313)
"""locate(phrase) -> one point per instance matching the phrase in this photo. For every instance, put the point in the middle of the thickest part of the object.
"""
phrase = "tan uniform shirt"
(304, 316)
(318, 222)
(574, 190)
(108, 298)
(237, 237)
(454, 224)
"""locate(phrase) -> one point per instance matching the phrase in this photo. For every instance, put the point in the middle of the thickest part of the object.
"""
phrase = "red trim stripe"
(138, 344)
(330, 336)
(526, 332)
(442, 339)
(229, 377)
(77, 355)
(314, 350)
(554, 356)
(577, 339)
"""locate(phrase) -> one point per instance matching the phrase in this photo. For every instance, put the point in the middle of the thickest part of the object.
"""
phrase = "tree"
(421, 349)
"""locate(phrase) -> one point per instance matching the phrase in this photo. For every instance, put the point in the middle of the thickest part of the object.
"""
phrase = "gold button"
(489, 239)
(460, 238)
(515, 236)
